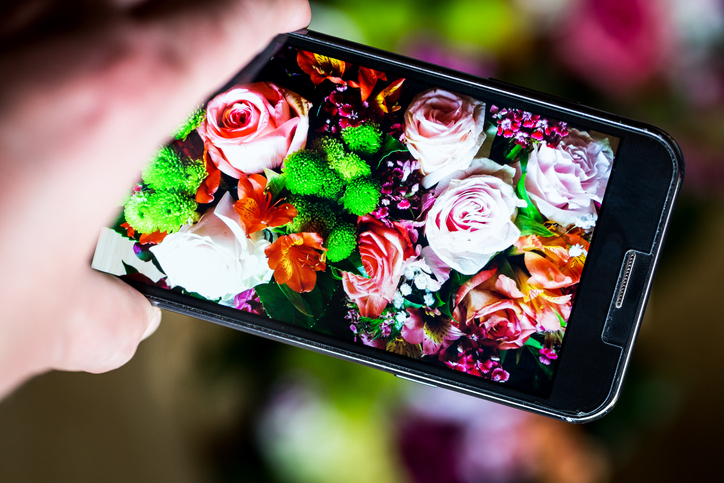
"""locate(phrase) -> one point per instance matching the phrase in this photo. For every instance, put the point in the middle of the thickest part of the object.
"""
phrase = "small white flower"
(405, 289)
(587, 221)
(410, 272)
(397, 300)
(401, 317)
(429, 299)
(577, 250)
(422, 281)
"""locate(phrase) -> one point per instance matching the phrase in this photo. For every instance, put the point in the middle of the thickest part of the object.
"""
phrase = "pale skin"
(88, 91)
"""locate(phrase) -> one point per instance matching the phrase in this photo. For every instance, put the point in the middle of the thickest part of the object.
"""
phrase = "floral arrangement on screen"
(416, 220)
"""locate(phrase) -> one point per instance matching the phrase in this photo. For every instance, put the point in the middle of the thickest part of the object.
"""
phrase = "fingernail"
(155, 322)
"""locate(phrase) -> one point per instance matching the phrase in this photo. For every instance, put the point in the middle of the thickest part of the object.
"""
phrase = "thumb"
(108, 321)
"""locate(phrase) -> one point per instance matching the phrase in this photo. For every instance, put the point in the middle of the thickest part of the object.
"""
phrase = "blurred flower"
(616, 45)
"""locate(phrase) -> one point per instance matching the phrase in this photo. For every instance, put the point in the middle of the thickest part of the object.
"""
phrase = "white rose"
(471, 221)
(443, 131)
(214, 258)
(565, 182)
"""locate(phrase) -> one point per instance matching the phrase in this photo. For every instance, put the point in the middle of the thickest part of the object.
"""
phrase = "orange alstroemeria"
(295, 260)
(130, 231)
(386, 101)
(205, 193)
(152, 238)
(255, 207)
(554, 262)
(321, 67)
(367, 81)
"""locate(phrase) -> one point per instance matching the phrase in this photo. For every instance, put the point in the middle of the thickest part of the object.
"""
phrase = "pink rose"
(471, 221)
(443, 131)
(383, 251)
(492, 309)
(254, 126)
(565, 182)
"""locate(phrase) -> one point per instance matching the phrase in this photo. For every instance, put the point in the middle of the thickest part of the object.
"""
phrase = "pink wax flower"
(254, 126)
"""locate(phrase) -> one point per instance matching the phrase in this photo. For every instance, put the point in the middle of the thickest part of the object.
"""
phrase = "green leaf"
(297, 300)
(352, 264)
(275, 182)
(533, 343)
(529, 226)
(130, 270)
(390, 145)
(513, 153)
(275, 303)
(490, 131)
(530, 209)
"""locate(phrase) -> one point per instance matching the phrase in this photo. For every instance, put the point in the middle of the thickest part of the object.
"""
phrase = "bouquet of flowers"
(403, 216)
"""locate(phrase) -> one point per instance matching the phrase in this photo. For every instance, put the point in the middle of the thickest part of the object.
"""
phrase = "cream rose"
(471, 221)
(565, 182)
(443, 131)
(255, 126)
(214, 258)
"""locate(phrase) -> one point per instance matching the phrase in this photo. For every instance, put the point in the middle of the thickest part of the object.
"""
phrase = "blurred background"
(201, 403)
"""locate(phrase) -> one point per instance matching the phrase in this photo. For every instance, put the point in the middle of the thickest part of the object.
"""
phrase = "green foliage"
(168, 171)
(167, 211)
(341, 241)
(365, 138)
(361, 196)
(190, 124)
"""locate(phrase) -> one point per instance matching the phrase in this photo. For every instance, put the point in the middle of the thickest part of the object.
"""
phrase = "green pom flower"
(190, 124)
(167, 211)
(332, 148)
(365, 138)
(169, 172)
(305, 172)
(312, 216)
(350, 167)
(332, 186)
(341, 241)
(361, 196)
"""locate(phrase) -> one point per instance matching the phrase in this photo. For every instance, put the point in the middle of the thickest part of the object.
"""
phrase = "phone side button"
(415, 380)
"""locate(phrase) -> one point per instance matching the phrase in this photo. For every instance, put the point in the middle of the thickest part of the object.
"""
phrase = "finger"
(108, 321)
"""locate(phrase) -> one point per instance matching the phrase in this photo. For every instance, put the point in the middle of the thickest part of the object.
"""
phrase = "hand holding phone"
(451, 230)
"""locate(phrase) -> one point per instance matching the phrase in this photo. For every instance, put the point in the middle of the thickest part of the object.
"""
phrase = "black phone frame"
(645, 180)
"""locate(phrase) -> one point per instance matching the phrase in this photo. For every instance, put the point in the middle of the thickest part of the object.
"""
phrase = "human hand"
(88, 92)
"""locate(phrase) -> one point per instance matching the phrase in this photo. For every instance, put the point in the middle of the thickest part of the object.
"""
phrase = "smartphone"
(451, 230)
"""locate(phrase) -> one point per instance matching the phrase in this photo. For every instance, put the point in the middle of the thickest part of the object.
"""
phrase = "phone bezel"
(590, 371)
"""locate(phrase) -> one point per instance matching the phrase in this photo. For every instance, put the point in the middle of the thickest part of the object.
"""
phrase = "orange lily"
(255, 207)
(295, 260)
(321, 67)
(152, 238)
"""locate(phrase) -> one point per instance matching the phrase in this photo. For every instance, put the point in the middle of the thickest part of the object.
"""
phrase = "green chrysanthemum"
(365, 138)
(168, 171)
(361, 196)
(312, 216)
(191, 123)
(332, 148)
(305, 172)
(167, 211)
(332, 186)
(341, 241)
(350, 167)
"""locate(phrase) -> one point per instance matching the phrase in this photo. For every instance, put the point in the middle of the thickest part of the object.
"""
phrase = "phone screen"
(377, 209)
